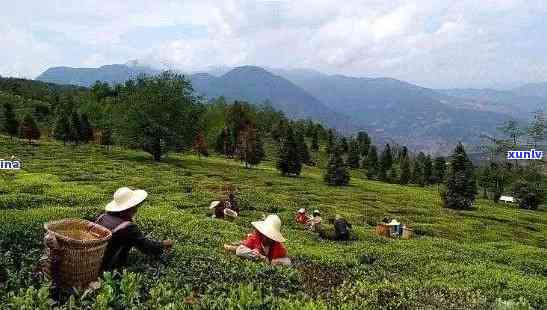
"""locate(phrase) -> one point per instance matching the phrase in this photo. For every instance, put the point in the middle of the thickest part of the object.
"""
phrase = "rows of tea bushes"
(491, 257)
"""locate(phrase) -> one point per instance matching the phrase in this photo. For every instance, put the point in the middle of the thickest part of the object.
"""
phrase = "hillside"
(421, 118)
(458, 259)
(418, 117)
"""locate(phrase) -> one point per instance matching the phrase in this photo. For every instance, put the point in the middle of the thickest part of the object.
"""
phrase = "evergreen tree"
(221, 138)
(403, 153)
(330, 142)
(86, 130)
(29, 129)
(344, 147)
(62, 128)
(372, 162)
(418, 170)
(428, 170)
(200, 145)
(439, 169)
(392, 175)
(305, 157)
(75, 128)
(364, 143)
(405, 171)
(11, 124)
(315, 140)
(353, 156)
(336, 173)
(106, 137)
(251, 149)
(460, 183)
(289, 162)
(386, 161)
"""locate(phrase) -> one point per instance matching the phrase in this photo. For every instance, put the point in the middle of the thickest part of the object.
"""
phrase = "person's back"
(125, 235)
(341, 228)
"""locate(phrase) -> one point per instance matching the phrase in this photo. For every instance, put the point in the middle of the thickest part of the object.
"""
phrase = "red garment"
(255, 241)
(302, 218)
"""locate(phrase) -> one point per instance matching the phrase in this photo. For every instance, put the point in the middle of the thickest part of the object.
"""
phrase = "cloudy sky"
(434, 43)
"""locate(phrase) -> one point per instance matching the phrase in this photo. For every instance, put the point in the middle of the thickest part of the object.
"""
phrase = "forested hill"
(390, 110)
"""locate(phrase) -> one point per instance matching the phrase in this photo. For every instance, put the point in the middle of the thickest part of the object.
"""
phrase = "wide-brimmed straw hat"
(301, 210)
(270, 227)
(394, 223)
(126, 198)
(214, 204)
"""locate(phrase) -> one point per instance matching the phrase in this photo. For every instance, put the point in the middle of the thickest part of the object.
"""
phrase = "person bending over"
(125, 234)
(265, 243)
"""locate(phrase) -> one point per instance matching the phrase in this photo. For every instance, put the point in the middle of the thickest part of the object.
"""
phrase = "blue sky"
(433, 43)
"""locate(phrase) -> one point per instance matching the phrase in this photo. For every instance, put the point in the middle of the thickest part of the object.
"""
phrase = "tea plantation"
(493, 257)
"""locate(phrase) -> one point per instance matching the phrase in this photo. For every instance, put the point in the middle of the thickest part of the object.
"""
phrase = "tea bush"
(492, 257)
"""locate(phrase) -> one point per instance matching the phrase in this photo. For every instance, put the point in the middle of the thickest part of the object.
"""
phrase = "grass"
(458, 259)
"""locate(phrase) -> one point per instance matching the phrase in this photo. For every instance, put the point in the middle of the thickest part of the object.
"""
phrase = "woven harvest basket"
(382, 230)
(79, 250)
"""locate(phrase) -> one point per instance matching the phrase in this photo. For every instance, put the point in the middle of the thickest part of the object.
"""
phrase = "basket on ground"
(75, 249)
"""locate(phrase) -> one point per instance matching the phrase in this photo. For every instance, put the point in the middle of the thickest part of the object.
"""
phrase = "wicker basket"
(383, 230)
(78, 251)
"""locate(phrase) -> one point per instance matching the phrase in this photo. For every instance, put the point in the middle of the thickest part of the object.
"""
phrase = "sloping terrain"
(458, 259)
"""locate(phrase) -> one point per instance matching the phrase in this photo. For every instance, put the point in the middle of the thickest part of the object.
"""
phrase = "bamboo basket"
(76, 258)
(383, 230)
(407, 233)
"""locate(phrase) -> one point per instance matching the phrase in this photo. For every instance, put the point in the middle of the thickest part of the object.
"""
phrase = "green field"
(494, 256)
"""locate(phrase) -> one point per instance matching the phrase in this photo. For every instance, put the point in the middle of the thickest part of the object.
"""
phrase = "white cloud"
(430, 42)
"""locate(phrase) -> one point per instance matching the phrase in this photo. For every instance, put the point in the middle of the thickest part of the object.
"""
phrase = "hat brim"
(267, 231)
(214, 204)
(138, 196)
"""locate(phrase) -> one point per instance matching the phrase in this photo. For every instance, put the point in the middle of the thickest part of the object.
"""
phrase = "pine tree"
(460, 183)
(336, 173)
(330, 141)
(11, 124)
(29, 129)
(386, 161)
(75, 128)
(200, 145)
(315, 140)
(439, 169)
(251, 149)
(353, 156)
(289, 162)
(364, 143)
(62, 128)
(392, 175)
(405, 171)
(86, 130)
(106, 137)
(372, 162)
(221, 138)
(418, 170)
(305, 157)
(344, 147)
(428, 170)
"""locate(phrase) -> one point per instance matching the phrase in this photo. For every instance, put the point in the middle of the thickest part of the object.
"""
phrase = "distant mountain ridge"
(112, 74)
(421, 118)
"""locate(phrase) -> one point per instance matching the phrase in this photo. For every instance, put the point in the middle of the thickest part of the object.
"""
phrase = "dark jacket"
(341, 228)
(125, 235)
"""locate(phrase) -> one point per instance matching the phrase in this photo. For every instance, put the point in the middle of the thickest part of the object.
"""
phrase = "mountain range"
(431, 120)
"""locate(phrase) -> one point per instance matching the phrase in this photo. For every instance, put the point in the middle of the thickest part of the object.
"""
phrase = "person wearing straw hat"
(314, 223)
(265, 243)
(301, 217)
(224, 208)
(125, 234)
